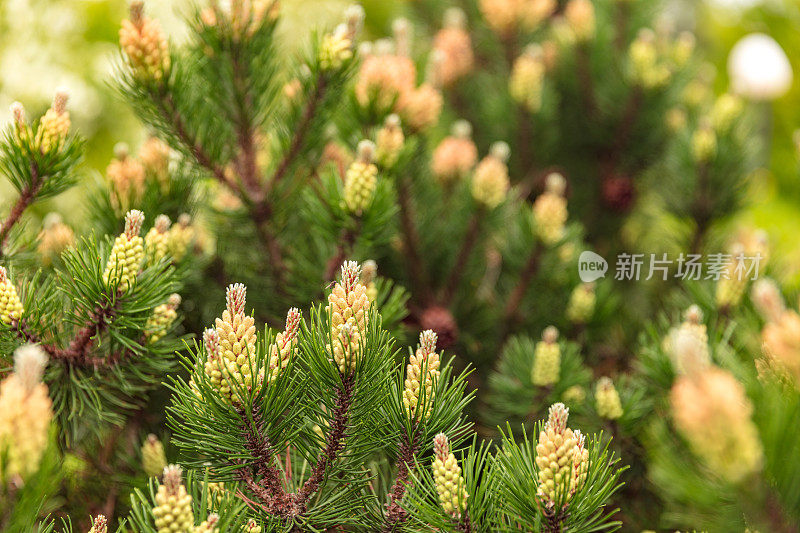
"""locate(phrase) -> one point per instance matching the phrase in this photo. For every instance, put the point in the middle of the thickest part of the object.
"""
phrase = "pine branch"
(396, 514)
(525, 278)
(470, 240)
(26, 198)
(411, 243)
(302, 130)
(334, 443)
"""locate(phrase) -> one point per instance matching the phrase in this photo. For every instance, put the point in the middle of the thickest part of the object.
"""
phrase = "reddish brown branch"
(26, 198)
(457, 272)
(334, 442)
(411, 243)
(525, 278)
(405, 462)
(301, 131)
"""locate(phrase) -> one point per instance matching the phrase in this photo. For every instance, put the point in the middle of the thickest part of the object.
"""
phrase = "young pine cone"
(285, 345)
(173, 510)
(153, 458)
(99, 525)
(10, 305)
(550, 210)
(236, 353)
(447, 477)
(361, 179)
(162, 319)
(561, 458)
(389, 142)
(208, 525)
(455, 156)
(348, 306)
(25, 413)
(145, 45)
(180, 237)
(126, 255)
(687, 345)
(581, 303)
(156, 241)
(54, 125)
(607, 400)
(527, 79)
(547, 359)
(490, 183)
(424, 360)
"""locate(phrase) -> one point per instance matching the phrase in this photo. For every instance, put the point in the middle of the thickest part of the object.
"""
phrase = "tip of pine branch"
(211, 342)
(555, 183)
(136, 11)
(3, 275)
(29, 363)
(550, 334)
(500, 150)
(18, 112)
(172, 478)
(557, 417)
(350, 275)
(462, 129)
(455, 17)
(100, 524)
(441, 446)
(174, 300)
(60, 100)
(235, 298)
(366, 151)
(162, 223)
(369, 271)
(693, 314)
(427, 341)
(354, 15)
(293, 321)
(133, 223)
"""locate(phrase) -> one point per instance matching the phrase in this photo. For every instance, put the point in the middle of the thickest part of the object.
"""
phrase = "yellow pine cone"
(251, 527)
(163, 317)
(550, 210)
(54, 238)
(454, 46)
(54, 125)
(156, 242)
(10, 305)
(369, 272)
(420, 108)
(424, 360)
(646, 67)
(704, 143)
(208, 525)
(125, 176)
(580, 17)
(527, 79)
(154, 155)
(581, 303)
(153, 458)
(127, 254)
(547, 359)
(607, 400)
(348, 306)
(781, 340)
(713, 413)
(337, 47)
(181, 236)
(455, 156)
(389, 142)
(574, 394)
(285, 345)
(383, 79)
(236, 354)
(490, 183)
(173, 510)
(99, 525)
(687, 345)
(360, 179)
(145, 45)
(561, 458)
(447, 477)
(25, 414)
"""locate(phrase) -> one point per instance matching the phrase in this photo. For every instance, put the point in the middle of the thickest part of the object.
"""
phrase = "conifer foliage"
(366, 238)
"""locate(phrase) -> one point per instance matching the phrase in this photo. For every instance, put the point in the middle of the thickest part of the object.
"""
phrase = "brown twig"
(457, 272)
(334, 442)
(26, 198)
(525, 278)
(395, 514)
(411, 243)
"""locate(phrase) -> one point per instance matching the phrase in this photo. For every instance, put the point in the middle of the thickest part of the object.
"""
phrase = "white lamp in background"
(758, 68)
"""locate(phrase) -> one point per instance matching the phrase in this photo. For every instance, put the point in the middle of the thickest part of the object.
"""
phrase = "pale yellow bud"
(447, 478)
(10, 305)
(527, 79)
(361, 179)
(607, 400)
(153, 458)
(126, 255)
(550, 210)
(490, 184)
(547, 359)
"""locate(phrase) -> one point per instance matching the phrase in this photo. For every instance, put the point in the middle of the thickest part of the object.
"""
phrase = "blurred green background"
(48, 43)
